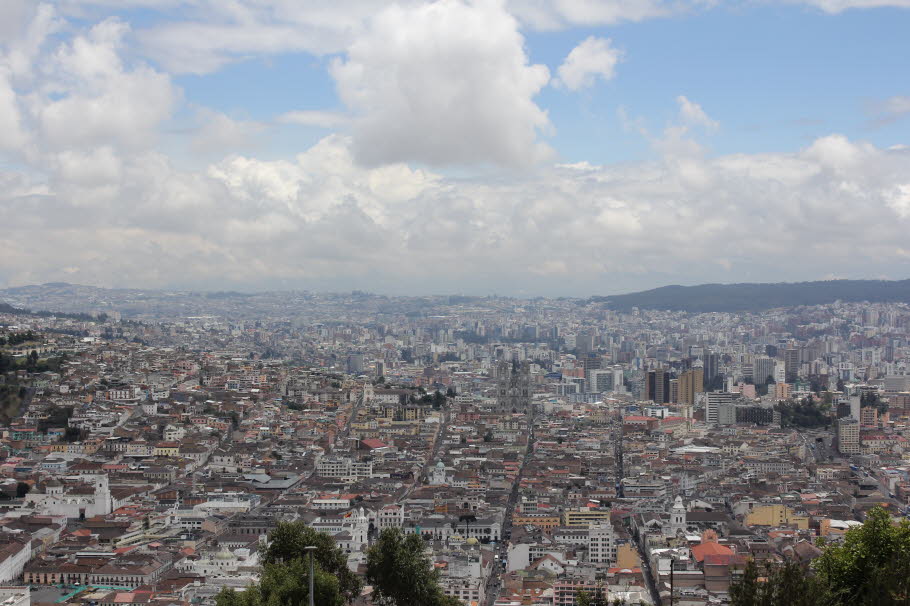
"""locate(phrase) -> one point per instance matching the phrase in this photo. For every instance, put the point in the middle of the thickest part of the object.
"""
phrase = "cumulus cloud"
(330, 222)
(443, 83)
(593, 58)
(96, 98)
(109, 208)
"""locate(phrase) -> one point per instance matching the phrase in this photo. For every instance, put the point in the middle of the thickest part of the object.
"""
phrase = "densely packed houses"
(541, 448)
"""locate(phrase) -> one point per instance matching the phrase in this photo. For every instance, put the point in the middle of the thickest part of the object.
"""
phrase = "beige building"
(776, 515)
(848, 436)
(691, 382)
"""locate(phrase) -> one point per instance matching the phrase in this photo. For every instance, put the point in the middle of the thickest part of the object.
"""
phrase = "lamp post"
(311, 549)
(672, 588)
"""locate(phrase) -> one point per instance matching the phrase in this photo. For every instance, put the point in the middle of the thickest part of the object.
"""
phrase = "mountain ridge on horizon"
(756, 296)
(710, 297)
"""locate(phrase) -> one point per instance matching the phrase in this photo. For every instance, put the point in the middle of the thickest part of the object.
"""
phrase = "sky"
(511, 147)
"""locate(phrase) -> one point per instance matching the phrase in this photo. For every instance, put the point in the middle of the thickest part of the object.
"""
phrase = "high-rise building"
(601, 543)
(713, 402)
(691, 382)
(791, 364)
(598, 381)
(762, 368)
(618, 382)
(584, 343)
(712, 367)
(657, 386)
(355, 363)
(591, 362)
(674, 390)
(848, 436)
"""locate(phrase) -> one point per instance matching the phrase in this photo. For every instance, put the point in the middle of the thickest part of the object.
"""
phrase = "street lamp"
(311, 549)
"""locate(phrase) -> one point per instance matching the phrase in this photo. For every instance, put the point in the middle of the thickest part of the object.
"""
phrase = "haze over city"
(526, 148)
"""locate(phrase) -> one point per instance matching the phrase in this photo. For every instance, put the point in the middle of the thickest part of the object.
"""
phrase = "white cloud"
(14, 136)
(201, 36)
(898, 105)
(330, 223)
(560, 14)
(93, 98)
(891, 109)
(218, 32)
(443, 83)
(221, 133)
(838, 6)
(692, 114)
(593, 58)
(321, 119)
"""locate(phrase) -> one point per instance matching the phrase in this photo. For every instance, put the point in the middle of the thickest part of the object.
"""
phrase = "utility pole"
(672, 592)
(311, 549)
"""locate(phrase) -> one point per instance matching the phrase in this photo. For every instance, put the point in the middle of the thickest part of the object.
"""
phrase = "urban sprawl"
(542, 447)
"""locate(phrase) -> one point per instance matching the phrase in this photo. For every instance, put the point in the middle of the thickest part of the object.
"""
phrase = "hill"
(758, 297)
(6, 308)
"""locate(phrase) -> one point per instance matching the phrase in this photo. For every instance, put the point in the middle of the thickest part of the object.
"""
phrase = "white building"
(601, 543)
(73, 501)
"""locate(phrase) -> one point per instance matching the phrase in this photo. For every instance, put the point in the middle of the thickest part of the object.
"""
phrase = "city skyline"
(519, 148)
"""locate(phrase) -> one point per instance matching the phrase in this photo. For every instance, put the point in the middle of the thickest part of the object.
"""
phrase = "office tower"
(657, 387)
(856, 403)
(748, 372)
(618, 382)
(712, 367)
(762, 368)
(726, 413)
(791, 364)
(780, 372)
(674, 391)
(598, 381)
(584, 343)
(713, 403)
(691, 382)
(380, 369)
(355, 364)
(848, 436)
(591, 362)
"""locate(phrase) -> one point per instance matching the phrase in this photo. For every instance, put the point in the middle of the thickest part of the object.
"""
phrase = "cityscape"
(454, 303)
(541, 448)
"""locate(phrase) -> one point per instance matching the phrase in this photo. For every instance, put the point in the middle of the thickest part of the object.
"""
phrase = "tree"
(776, 585)
(288, 542)
(871, 566)
(401, 574)
(286, 584)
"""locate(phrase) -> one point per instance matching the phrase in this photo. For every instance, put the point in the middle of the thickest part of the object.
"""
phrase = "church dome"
(224, 554)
